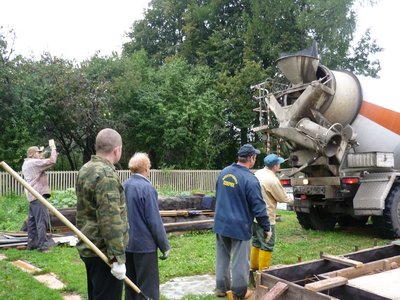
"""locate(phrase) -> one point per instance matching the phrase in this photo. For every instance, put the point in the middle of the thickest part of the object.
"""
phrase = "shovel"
(69, 224)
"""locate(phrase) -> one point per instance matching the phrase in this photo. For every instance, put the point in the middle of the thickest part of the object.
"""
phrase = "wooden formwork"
(371, 274)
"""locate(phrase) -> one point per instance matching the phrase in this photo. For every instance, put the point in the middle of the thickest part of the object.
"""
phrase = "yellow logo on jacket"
(227, 180)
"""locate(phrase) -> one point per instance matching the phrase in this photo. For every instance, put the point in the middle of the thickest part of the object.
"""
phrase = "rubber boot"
(254, 258)
(264, 259)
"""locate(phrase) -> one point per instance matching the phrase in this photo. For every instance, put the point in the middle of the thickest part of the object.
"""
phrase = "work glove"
(118, 270)
(52, 145)
(267, 235)
(164, 256)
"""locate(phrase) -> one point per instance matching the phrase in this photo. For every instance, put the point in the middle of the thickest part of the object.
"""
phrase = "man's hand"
(52, 145)
(291, 197)
(164, 256)
(118, 270)
(267, 235)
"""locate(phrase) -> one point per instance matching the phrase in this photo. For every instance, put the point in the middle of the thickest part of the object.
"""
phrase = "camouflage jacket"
(101, 209)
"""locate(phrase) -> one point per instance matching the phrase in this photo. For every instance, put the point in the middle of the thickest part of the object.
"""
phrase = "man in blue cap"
(238, 202)
(272, 192)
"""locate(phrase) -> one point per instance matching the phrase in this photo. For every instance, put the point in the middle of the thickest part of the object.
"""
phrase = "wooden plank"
(188, 223)
(276, 291)
(343, 260)
(294, 292)
(185, 213)
(368, 268)
(326, 284)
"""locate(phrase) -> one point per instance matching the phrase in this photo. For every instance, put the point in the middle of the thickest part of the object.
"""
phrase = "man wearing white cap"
(33, 169)
(272, 192)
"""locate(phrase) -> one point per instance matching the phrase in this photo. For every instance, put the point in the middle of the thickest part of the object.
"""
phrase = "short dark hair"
(107, 139)
(245, 159)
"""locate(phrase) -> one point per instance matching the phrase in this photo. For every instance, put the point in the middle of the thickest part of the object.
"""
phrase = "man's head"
(248, 150)
(109, 145)
(273, 161)
(140, 163)
(34, 152)
(247, 155)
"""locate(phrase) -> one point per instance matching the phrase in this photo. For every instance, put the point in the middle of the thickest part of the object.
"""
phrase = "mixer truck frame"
(342, 133)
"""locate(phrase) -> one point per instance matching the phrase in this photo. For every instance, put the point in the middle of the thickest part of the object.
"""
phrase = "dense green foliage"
(63, 199)
(181, 88)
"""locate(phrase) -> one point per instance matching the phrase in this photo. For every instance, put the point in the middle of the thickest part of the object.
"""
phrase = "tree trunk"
(243, 136)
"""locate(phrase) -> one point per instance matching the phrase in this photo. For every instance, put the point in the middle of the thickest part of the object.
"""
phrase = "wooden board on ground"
(368, 268)
(326, 284)
(343, 260)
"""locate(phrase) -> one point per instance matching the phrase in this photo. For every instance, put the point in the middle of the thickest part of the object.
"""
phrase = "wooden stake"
(229, 295)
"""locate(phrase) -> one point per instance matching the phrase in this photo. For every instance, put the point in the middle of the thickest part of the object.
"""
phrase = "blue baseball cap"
(247, 150)
(272, 159)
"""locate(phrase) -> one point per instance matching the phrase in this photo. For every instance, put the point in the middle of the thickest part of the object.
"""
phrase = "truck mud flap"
(371, 195)
(301, 205)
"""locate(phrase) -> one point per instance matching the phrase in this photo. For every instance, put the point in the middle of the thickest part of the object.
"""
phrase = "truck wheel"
(388, 224)
(304, 220)
(322, 219)
(352, 221)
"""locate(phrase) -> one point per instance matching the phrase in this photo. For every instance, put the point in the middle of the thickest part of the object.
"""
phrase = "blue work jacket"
(146, 229)
(238, 202)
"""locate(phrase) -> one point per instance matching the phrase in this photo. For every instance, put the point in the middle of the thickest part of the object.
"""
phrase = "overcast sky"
(76, 29)
(73, 29)
(384, 21)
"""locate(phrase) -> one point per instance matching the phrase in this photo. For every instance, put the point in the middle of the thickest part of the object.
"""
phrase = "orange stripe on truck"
(383, 116)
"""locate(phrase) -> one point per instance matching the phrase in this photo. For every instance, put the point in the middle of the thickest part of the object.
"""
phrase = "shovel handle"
(71, 226)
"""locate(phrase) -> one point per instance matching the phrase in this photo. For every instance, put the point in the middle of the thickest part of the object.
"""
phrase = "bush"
(63, 199)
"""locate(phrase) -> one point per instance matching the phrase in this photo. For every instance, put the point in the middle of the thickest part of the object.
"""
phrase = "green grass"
(13, 212)
(191, 254)
(16, 285)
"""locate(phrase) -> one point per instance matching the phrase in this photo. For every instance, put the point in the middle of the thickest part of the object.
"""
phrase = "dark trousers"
(38, 223)
(142, 269)
(232, 265)
(101, 284)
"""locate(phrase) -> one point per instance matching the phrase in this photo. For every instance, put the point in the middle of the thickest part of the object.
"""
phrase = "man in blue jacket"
(146, 230)
(238, 202)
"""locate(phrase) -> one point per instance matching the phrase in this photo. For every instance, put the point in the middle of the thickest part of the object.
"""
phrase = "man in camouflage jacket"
(102, 217)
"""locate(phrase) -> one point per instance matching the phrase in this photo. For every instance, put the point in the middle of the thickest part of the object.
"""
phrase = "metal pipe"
(71, 226)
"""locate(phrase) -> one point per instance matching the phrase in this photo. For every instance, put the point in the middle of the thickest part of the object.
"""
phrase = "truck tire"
(352, 221)
(388, 225)
(304, 220)
(322, 219)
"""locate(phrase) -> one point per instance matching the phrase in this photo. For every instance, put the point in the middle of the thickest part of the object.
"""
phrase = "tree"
(14, 128)
(169, 111)
(235, 37)
(60, 101)
(160, 32)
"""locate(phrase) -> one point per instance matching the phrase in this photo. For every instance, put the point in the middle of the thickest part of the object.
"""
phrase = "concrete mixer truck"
(342, 135)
